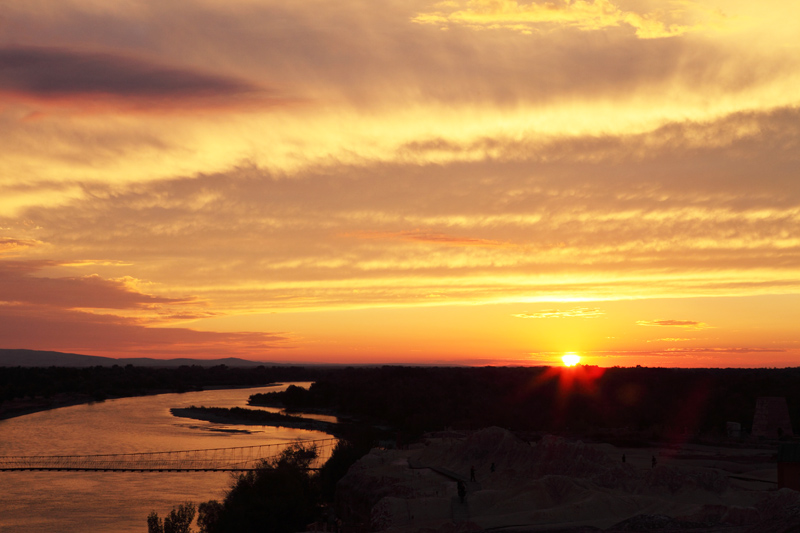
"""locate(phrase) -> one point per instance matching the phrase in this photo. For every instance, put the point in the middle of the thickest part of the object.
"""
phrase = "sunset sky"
(360, 181)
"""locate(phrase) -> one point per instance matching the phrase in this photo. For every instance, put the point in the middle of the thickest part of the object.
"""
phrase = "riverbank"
(28, 406)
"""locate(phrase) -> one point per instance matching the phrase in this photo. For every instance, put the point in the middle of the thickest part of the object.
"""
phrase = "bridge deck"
(238, 459)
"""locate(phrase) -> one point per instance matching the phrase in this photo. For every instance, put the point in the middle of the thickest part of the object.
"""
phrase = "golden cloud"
(584, 15)
(744, 350)
(8, 245)
(578, 312)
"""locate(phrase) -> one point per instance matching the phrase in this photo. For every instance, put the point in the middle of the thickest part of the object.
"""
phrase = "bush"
(179, 520)
(280, 496)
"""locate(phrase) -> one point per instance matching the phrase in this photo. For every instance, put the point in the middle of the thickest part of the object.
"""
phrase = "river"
(95, 502)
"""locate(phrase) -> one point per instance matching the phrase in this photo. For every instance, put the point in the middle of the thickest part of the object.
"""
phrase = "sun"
(571, 359)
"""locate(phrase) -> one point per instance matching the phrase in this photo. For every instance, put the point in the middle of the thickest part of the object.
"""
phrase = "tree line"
(657, 401)
(100, 382)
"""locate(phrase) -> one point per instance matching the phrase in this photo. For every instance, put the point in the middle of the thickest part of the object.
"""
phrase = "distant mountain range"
(42, 358)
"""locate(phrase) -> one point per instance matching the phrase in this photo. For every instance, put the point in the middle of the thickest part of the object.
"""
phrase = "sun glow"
(571, 359)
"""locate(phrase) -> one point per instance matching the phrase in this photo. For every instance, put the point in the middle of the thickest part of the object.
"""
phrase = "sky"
(402, 181)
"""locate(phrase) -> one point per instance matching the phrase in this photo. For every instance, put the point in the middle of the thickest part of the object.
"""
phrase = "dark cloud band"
(45, 73)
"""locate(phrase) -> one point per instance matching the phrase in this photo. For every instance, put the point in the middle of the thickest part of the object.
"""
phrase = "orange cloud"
(19, 286)
(46, 328)
(686, 352)
(50, 313)
(735, 350)
(14, 245)
(427, 237)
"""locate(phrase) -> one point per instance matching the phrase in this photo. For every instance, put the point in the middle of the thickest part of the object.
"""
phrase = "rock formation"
(551, 485)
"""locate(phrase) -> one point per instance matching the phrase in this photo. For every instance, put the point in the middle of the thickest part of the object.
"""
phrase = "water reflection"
(99, 502)
(313, 416)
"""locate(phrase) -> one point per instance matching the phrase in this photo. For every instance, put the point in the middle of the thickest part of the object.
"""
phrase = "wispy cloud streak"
(688, 324)
(577, 312)
(585, 15)
(428, 237)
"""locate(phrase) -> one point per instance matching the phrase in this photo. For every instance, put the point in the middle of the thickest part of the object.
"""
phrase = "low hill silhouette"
(37, 358)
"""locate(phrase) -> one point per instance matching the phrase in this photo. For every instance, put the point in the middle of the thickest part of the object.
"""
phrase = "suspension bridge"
(238, 459)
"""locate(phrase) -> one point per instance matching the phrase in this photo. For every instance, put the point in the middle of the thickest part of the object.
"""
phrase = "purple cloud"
(49, 328)
(19, 286)
(55, 74)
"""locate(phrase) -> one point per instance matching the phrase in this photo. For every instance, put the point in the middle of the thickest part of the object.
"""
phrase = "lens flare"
(571, 359)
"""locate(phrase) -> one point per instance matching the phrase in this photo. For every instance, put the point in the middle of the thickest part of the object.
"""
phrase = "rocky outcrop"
(554, 484)
(515, 483)
(382, 485)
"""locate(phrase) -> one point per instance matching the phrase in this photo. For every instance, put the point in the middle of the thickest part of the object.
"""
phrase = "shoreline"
(13, 409)
(16, 408)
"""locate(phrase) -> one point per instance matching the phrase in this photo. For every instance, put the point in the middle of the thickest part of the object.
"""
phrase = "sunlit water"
(90, 502)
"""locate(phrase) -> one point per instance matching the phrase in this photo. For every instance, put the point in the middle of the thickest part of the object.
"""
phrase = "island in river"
(253, 417)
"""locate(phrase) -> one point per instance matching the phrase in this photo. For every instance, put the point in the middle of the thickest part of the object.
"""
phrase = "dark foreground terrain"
(556, 464)
(581, 450)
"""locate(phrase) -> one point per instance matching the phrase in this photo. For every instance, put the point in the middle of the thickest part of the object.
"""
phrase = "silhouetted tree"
(280, 496)
(283, 495)
(179, 520)
(154, 523)
(208, 514)
(342, 458)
